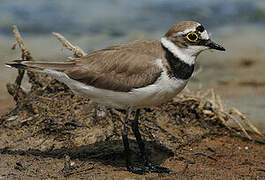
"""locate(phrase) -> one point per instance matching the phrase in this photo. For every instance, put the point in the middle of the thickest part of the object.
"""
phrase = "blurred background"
(237, 75)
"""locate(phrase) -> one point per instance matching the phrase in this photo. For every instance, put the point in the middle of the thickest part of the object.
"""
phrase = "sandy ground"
(212, 158)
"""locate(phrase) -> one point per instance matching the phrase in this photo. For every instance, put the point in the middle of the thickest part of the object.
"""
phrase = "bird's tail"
(40, 66)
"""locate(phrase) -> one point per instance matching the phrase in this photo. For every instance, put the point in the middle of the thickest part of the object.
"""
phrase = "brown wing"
(120, 68)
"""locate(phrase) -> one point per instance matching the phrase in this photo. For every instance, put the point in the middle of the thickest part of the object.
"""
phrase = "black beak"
(212, 45)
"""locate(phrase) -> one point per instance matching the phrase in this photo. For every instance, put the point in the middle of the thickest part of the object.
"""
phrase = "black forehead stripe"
(200, 28)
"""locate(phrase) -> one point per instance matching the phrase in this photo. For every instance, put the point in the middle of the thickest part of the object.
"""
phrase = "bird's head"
(188, 38)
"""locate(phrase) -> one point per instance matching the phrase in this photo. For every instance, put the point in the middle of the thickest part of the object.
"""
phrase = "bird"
(132, 76)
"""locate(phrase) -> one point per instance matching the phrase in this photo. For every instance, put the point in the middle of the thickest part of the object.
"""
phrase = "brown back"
(120, 67)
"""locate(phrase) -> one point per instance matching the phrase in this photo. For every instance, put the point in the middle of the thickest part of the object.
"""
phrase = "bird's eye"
(192, 37)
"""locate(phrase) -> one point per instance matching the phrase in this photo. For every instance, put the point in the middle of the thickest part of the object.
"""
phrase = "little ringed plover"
(133, 75)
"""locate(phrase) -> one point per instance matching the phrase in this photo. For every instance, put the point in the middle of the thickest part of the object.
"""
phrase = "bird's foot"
(137, 170)
(148, 167)
(155, 168)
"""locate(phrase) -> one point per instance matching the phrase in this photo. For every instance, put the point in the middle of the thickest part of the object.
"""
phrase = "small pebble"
(246, 148)
(72, 163)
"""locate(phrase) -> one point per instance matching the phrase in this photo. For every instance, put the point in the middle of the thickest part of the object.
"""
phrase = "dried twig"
(219, 110)
(26, 55)
(244, 119)
(26, 120)
(223, 120)
(78, 52)
(240, 125)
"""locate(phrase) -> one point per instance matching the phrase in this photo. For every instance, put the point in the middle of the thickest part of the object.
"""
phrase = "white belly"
(161, 91)
(141, 97)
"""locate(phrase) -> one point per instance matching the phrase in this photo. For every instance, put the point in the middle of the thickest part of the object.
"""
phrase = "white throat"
(185, 54)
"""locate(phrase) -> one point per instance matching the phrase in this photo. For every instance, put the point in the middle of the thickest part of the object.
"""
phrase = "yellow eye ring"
(192, 36)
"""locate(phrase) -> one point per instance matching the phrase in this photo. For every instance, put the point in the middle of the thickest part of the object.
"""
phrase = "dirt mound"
(53, 133)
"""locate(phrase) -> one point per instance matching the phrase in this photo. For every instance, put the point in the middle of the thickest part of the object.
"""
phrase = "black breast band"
(179, 69)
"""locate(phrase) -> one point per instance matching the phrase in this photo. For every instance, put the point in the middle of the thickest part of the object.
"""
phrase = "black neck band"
(179, 69)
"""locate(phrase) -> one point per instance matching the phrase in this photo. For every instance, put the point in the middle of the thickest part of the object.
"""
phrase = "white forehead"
(204, 34)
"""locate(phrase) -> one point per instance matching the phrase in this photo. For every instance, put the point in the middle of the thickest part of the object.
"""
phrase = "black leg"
(138, 137)
(146, 163)
(126, 145)
(125, 140)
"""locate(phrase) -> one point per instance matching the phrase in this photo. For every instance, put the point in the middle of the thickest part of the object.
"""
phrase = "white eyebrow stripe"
(204, 35)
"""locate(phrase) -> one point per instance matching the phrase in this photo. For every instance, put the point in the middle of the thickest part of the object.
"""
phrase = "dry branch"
(26, 55)
(78, 52)
(244, 119)
(219, 110)
(240, 126)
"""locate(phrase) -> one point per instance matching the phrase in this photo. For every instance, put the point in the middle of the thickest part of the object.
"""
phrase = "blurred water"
(117, 17)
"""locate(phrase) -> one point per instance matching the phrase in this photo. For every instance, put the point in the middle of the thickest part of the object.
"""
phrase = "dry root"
(219, 109)
(234, 111)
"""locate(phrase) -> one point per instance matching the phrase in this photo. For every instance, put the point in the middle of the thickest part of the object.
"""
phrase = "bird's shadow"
(106, 152)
